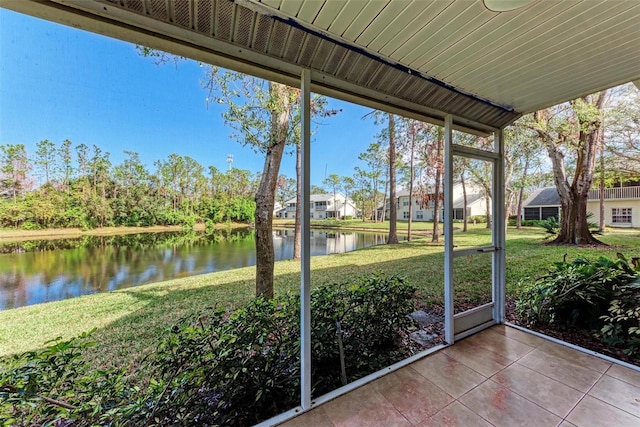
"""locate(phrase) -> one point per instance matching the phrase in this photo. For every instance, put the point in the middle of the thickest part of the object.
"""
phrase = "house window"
(419, 215)
(405, 202)
(405, 215)
(311, 215)
(621, 215)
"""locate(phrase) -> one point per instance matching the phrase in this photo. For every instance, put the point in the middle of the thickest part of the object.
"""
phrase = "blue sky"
(60, 83)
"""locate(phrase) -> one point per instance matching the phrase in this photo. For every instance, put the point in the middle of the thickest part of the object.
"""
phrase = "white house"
(621, 205)
(322, 206)
(423, 205)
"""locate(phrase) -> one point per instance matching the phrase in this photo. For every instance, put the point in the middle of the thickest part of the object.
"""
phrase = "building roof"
(320, 198)
(543, 197)
(423, 59)
(471, 199)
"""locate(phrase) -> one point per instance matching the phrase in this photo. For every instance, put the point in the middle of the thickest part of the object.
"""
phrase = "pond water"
(38, 271)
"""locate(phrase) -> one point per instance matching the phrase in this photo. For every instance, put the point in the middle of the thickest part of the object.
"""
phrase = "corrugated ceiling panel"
(521, 43)
(406, 20)
(548, 87)
(408, 51)
(430, 11)
(309, 10)
(272, 3)
(488, 38)
(344, 19)
(385, 19)
(574, 46)
(329, 12)
(442, 43)
(291, 7)
(369, 11)
(474, 16)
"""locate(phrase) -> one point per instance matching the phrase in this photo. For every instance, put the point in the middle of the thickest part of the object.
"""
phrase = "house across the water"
(423, 204)
(621, 205)
(322, 206)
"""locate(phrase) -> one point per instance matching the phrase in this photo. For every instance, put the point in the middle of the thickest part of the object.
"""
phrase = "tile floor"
(500, 377)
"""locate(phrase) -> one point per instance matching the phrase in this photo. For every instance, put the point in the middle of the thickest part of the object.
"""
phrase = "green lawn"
(129, 322)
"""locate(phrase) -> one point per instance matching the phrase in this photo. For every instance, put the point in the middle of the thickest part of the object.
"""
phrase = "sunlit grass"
(130, 322)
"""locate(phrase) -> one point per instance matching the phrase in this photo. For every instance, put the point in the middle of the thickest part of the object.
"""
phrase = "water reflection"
(38, 271)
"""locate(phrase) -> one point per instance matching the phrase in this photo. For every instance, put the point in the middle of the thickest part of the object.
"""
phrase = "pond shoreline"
(10, 235)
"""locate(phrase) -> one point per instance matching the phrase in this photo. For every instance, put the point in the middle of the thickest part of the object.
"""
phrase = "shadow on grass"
(136, 334)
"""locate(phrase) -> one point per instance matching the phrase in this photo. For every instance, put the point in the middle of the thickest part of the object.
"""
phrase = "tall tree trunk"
(602, 183)
(435, 236)
(465, 220)
(265, 196)
(375, 200)
(412, 177)
(383, 214)
(574, 196)
(487, 199)
(393, 214)
(297, 235)
(521, 194)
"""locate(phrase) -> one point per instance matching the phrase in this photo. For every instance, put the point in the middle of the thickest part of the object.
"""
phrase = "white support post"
(448, 230)
(305, 261)
(499, 230)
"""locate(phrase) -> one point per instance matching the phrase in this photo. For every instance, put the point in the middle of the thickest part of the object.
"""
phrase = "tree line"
(69, 185)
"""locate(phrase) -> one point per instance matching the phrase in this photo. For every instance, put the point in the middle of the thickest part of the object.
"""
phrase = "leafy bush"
(55, 386)
(371, 312)
(601, 296)
(550, 225)
(218, 368)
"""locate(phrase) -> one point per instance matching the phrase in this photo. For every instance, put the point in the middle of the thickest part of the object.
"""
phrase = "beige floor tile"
(316, 418)
(561, 370)
(447, 373)
(362, 408)
(484, 361)
(500, 344)
(567, 424)
(502, 407)
(518, 335)
(625, 374)
(455, 415)
(618, 393)
(592, 412)
(576, 357)
(552, 395)
(412, 394)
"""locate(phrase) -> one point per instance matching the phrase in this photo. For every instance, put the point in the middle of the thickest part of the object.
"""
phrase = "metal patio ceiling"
(423, 58)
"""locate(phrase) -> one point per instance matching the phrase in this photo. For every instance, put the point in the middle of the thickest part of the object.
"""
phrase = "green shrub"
(601, 296)
(372, 313)
(550, 225)
(55, 386)
(218, 368)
